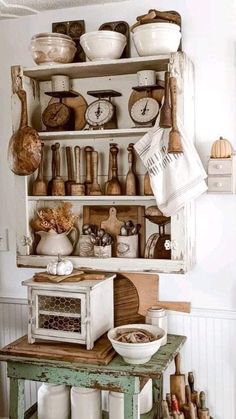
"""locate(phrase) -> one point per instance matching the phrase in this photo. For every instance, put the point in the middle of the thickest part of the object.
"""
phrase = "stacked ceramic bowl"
(52, 48)
(103, 45)
(156, 38)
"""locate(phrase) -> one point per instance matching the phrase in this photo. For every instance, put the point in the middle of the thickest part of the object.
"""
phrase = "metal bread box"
(78, 312)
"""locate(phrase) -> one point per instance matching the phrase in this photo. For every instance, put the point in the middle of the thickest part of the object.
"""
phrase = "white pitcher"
(52, 243)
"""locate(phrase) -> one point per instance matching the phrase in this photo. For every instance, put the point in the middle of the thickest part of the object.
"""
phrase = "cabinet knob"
(170, 245)
(218, 166)
(218, 184)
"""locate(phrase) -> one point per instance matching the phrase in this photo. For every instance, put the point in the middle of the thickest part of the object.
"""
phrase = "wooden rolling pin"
(174, 145)
(88, 158)
(194, 393)
(78, 188)
(177, 383)
(58, 184)
(165, 113)
(95, 188)
(39, 185)
(69, 161)
(203, 411)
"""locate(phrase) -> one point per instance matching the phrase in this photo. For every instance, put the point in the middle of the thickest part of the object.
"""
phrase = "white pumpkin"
(60, 267)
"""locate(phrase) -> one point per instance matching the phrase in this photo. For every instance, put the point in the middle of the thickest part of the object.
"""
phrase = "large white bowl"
(156, 38)
(52, 48)
(137, 353)
(103, 45)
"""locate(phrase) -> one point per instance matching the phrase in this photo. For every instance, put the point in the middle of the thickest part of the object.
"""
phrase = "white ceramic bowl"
(52, 48)
(156, 38)
(136, 353)
(103, 45)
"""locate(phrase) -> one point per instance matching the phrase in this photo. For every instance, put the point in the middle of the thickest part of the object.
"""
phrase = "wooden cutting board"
(101, 354)
(98, 214)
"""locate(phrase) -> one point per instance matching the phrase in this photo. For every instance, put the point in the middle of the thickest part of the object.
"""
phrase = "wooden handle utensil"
(95, 188)
(165, 410)
(53, 166)
(203, 411)
(39, 186)
(131, 179)
(69, 161)
(189, 409)
(113, 186)
(165, 113)
(109, 167)
(78, 188)
(88, 158)
(194, 393)
(177, 383)
(147, 185)
(174, 145)
(58, 184)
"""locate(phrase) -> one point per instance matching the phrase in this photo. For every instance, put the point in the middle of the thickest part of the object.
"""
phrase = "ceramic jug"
(52, 243)
(53, 401)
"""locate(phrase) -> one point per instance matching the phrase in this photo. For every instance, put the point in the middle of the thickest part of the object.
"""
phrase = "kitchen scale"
(101, 114)
(145, 109)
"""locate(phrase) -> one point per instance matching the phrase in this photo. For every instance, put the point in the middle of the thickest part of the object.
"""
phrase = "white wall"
(209, 35)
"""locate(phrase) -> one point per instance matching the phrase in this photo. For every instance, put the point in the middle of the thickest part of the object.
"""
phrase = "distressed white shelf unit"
(117, 75)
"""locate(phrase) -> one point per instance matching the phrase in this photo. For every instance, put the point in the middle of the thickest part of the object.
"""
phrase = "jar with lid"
(53, 401)
(157, 317)
(86, 403)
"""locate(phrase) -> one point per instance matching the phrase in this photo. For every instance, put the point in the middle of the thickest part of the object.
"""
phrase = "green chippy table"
(116, 376)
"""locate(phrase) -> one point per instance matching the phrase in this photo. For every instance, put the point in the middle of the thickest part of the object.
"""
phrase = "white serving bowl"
(156, 38)
(136, 353)
(103, 45)
(52, 48)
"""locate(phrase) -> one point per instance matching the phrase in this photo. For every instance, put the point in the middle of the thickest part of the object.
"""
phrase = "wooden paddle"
(95, 188)
(165, 113)
(113, 185)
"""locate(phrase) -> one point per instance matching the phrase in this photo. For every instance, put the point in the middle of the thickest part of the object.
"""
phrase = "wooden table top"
(22, 352)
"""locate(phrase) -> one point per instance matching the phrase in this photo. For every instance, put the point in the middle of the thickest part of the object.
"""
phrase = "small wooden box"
(70, 312)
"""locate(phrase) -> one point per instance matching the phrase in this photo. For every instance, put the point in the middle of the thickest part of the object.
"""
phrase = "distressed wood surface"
(17, 405)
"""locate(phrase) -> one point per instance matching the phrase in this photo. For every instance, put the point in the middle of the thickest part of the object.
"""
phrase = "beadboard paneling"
(208, 352)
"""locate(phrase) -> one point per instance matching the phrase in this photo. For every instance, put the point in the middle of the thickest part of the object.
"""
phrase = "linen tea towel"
(175, 178)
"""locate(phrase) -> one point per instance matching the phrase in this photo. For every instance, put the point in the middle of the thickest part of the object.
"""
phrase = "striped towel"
(175, 178)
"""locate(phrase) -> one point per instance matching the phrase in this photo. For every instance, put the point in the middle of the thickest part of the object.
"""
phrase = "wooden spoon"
(69, 161)
(78, 188)
(88, 157)
(95, 188)
(39, 186)
(53, 166)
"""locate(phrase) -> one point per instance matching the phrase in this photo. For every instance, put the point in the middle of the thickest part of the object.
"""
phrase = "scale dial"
(145, 110)
(99, 112)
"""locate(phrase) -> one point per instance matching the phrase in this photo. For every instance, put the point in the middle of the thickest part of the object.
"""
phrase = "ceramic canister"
(157, 317)
(127, 246)
(53, 401)
(85, 247)
(102, 251)
(86, 403)
(60, 83)
(146, 77)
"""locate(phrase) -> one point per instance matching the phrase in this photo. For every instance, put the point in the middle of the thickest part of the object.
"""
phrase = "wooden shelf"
(93, 134)
(99, 68)
(111, 264)
(100, 198)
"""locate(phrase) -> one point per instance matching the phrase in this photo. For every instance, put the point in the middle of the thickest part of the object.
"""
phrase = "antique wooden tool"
(174, 145)
(53, 166)
(95, 188)
(165, 114)
(58, 184)
(113, 186)
(24, 150)
(88, 157)
(203, 411)
(39, 186)
(175, 407)
(78, 188)
(165, 410)
(109, 176)
(189, 409)
(131, 183)
(177, 383)
(79, 106)
(69, 161)
(194, 393)
(147, 185)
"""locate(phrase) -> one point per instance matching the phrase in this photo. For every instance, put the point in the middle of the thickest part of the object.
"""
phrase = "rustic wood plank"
(17, 399)
(131, 410)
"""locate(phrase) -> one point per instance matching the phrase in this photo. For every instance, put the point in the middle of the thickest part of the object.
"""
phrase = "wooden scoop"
(174, 145)
(39, 186)
(131, 179)
(194, 393)
(95, 188)
(58, 184)
(88, 157)
(24, 150)
(113, 186)
(165, 113)
(177, 382)
(78, 188)
(203, 412)
(69, 161)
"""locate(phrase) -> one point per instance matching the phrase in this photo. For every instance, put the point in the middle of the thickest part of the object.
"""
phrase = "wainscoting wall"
(209, 352)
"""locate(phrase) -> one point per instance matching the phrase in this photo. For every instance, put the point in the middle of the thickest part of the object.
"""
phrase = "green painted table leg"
(157, 386)
(17, 399)
(131, 410)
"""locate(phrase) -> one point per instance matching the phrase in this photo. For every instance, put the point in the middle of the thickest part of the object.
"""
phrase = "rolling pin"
(174, 145)
(88, 158)
(203, 412)
(194, 393)
(78, 188)
(95, 188)
(165, 113)
(53, 166)
(131, 179)
(177, 383)
(189, 407)
(39, 185)
(58, 184)
(69, 161)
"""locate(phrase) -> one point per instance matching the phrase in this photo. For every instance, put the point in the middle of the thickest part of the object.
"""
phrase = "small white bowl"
(137, 353)
(156, 38)
(103, 45)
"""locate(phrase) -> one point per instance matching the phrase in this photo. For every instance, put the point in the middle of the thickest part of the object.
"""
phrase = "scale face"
(145, 110)
(99, 112)
(102, 113)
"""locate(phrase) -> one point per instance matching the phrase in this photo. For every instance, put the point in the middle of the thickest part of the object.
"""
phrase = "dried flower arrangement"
(60, 219)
